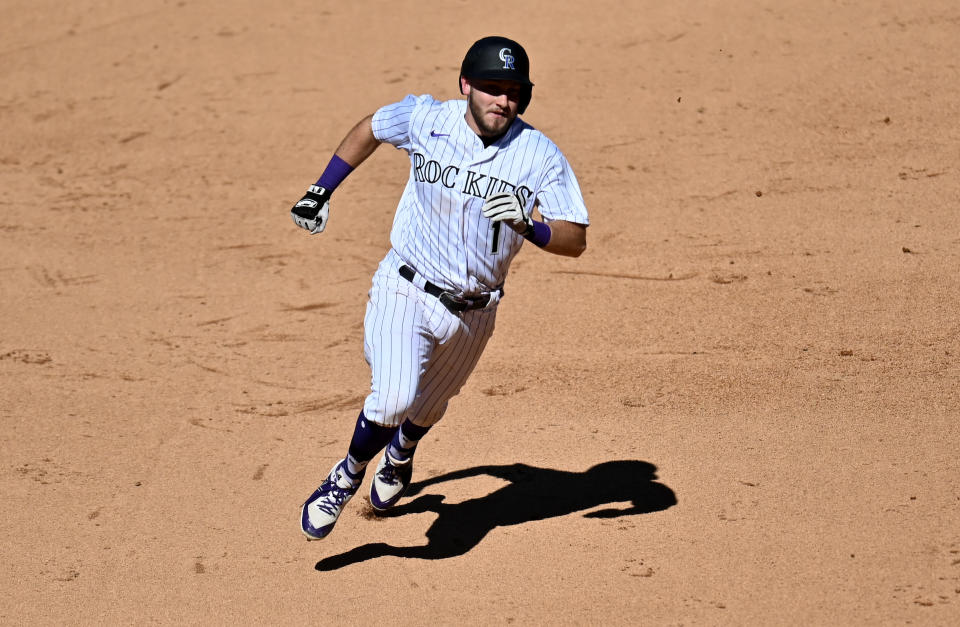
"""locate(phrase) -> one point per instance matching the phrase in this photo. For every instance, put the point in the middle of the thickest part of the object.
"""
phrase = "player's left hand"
(506, 207)
(312, 211)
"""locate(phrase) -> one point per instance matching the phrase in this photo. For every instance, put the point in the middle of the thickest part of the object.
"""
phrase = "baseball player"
(477, 173)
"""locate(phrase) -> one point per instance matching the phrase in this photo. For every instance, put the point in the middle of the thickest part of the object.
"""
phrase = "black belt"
(451, 301)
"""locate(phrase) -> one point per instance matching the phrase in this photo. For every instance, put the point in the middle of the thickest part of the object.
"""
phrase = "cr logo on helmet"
(507, 58)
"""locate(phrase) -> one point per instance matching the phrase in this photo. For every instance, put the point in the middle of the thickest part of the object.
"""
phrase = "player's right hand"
(312, 211)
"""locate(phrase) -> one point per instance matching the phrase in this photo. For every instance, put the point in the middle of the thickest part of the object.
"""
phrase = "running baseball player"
(477, 173)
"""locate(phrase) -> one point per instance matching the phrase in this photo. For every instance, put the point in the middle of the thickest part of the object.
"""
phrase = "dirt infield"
(740, 406)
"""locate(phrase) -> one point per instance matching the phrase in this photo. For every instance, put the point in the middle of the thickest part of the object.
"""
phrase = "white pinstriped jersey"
(439, 228)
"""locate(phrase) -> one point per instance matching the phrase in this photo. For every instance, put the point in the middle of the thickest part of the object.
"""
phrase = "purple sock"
(405, 440)
(368, 439)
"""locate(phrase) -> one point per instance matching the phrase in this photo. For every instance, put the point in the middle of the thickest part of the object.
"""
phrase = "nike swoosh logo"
(436, 134)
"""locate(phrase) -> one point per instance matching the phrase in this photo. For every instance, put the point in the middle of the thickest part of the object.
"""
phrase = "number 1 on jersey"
(495, 246)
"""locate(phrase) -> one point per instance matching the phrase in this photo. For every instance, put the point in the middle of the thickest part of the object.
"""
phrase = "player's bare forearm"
(359, 143)
(567, 238)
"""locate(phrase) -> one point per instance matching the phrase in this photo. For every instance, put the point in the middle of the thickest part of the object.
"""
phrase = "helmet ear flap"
(525, 99)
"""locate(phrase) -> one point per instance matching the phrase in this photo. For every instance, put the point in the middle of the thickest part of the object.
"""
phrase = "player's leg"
(321, 510)
(452, 364)
(395, 468)
(397, 340)
(453, 359)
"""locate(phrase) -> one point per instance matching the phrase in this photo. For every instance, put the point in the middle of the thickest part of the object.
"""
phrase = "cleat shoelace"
(389, 475)
(332, 502)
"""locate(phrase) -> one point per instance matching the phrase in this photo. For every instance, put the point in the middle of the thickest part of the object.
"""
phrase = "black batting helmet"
(499, 58)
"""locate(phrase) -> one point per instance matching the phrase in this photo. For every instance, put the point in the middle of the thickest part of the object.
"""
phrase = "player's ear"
(464, 86)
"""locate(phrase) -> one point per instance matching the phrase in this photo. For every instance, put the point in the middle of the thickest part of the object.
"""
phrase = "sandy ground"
(740, 406)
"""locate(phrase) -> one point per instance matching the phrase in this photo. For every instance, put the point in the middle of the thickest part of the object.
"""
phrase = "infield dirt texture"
(757, 354)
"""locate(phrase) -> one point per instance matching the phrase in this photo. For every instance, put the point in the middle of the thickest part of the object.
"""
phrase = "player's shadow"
(531, 494)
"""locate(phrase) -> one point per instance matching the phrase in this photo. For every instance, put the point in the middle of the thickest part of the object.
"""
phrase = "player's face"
(492, 105)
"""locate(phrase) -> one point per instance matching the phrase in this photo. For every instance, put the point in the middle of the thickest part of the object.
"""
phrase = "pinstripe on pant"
(420, 354)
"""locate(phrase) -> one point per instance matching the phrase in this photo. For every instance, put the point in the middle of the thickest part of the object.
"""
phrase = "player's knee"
(429, 414)
(388, 414)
